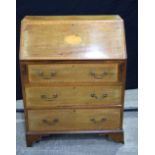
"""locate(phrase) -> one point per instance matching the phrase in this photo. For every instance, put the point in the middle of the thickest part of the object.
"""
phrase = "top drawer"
(73, 73)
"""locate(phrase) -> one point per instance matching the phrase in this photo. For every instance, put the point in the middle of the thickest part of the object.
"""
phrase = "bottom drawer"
(73, 120)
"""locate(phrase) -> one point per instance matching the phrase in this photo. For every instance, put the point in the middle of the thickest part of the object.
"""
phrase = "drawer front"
(73, 73)
(72, 95)
(72, 120)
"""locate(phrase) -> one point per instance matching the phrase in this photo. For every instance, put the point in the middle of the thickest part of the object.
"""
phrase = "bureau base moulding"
(117, 136)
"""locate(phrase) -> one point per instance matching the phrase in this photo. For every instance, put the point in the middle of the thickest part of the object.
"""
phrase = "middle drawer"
(57, 96)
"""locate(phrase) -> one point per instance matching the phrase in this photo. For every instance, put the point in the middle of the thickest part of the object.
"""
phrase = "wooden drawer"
(72, 120)
(56, 96)
(73, 73)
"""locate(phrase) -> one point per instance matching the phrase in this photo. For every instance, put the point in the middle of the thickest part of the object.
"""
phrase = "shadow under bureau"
(73, 71)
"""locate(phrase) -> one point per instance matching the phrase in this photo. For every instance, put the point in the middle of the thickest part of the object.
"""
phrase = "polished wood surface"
(73, 73)
(73, 119)
(73, 95)
(72, 38)
(30, 139)
(117, 137)
(34, 19)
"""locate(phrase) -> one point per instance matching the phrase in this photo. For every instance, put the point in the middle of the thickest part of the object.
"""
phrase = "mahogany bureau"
(73, 71)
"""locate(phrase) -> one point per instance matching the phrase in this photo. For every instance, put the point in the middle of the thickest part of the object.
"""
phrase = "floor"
(84, 144)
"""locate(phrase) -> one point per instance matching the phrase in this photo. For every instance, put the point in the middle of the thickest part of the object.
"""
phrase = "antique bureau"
(73, 71)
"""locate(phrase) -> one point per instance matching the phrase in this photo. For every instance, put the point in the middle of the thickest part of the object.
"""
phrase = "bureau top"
(72, 38)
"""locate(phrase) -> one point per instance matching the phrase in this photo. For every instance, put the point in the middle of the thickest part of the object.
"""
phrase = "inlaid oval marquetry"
(73, 39)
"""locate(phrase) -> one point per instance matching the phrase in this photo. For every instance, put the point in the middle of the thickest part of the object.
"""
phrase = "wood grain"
(73, 95)
(75, 119)
(34, 19)
(73, 73)
(99, 38)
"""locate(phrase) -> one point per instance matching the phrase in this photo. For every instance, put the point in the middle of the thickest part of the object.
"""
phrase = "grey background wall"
(127, 9)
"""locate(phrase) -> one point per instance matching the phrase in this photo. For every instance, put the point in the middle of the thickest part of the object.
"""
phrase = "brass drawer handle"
(50, 76)
(53, 122)
(46, 98)
(102, 120)
(103, 96)
(99, 76)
